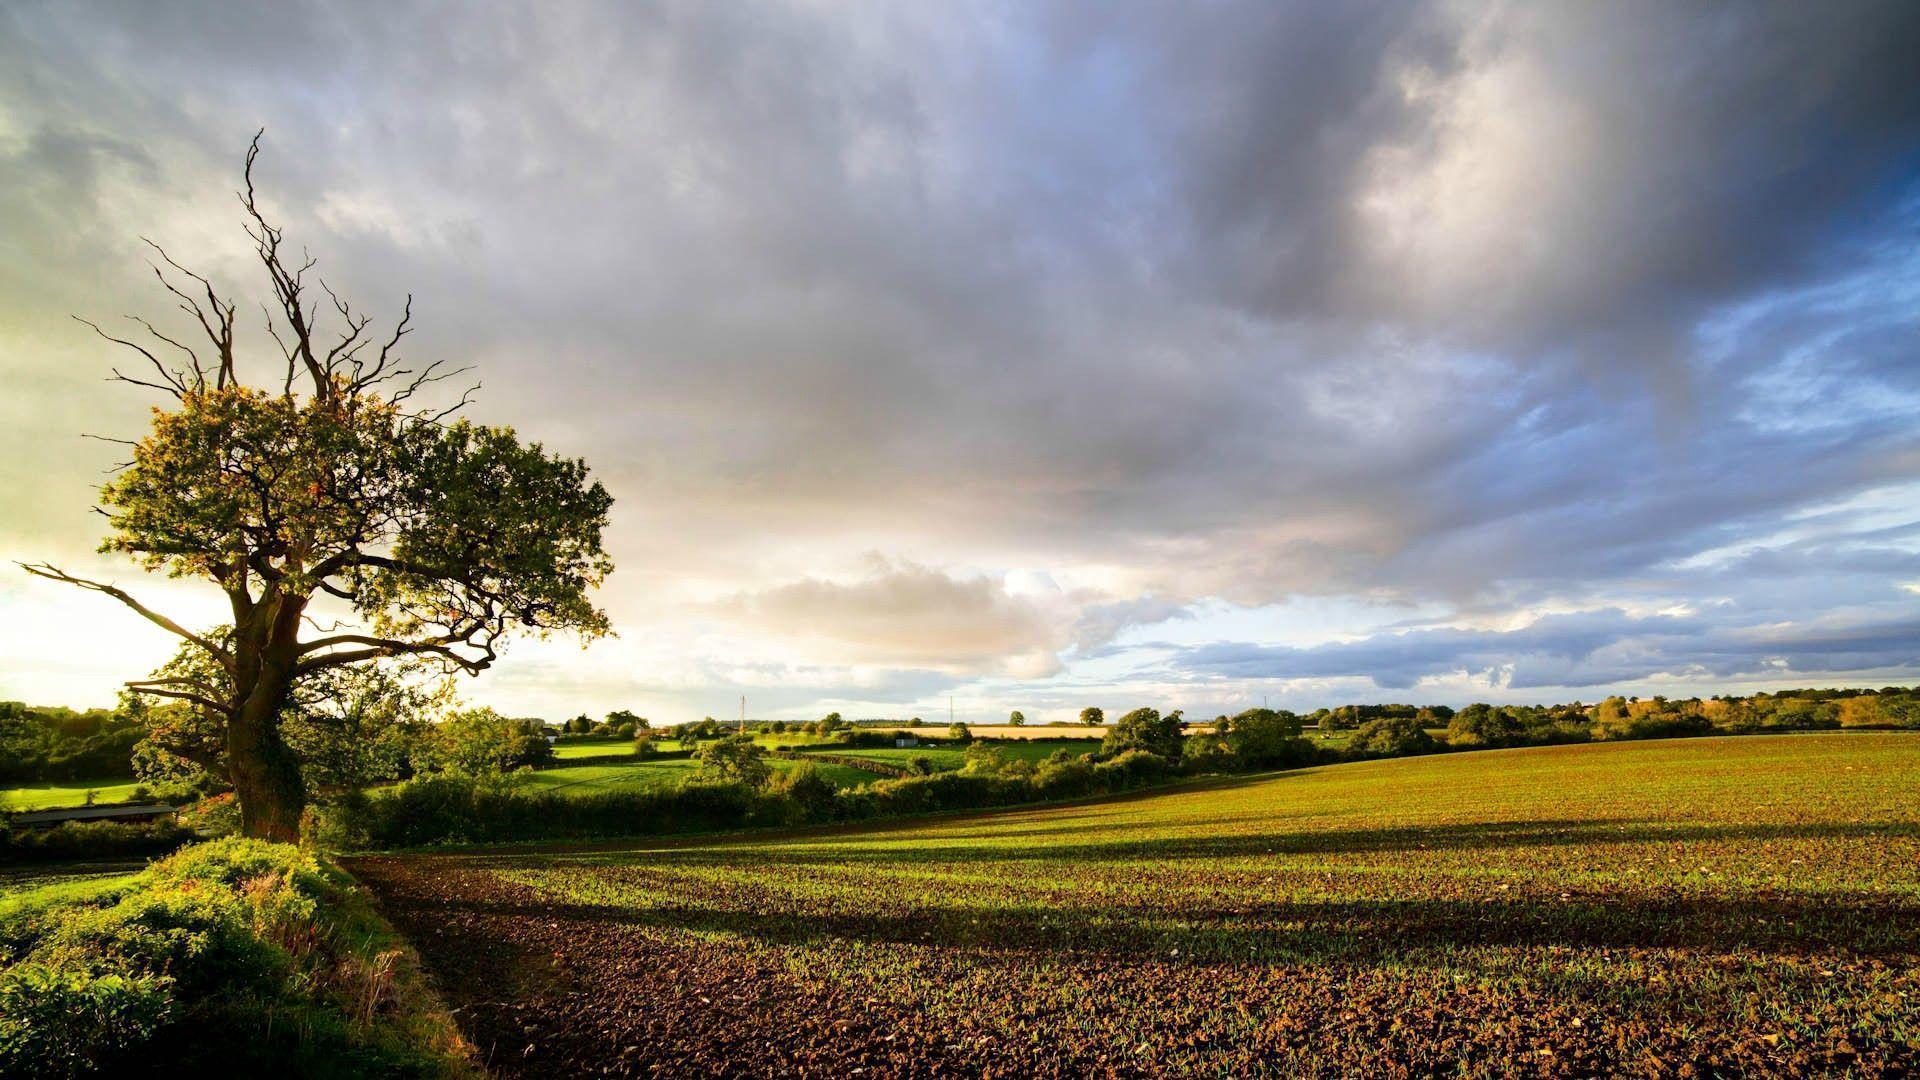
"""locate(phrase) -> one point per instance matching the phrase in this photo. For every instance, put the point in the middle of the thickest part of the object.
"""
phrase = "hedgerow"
(90, 840)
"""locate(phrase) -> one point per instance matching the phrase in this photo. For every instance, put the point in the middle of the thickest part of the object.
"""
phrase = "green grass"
(572, 748)
(1730, 903)
(639, 775)
(58, 794)
(230, 957)
(952, 757)
(55, 886)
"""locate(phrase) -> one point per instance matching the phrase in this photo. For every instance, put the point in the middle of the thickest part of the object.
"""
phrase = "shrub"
(58, 1020)
(1266, 738)
(91, 839)
(960, 733)
(1131, 769)
(1480, 724)
(811, 794)
(1391, 736)
(481, 740)
(456, 809)
(738, 759)
(233, 956)
(1145, 729)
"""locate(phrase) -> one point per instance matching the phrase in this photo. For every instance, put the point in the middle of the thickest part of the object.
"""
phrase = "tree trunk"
(266, 774)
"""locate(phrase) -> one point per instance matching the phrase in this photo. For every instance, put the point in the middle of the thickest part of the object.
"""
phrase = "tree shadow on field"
(1081, 843)
(1353, 931)
(752, 903)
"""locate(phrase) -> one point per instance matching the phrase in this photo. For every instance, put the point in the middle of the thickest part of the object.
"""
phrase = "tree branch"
(379, 647)
(54, 573)
(184, 695)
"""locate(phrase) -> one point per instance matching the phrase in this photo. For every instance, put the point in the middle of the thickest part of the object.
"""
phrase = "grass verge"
(233, 955)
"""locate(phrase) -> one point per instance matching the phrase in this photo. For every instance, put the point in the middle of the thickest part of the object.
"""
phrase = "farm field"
(627, 776)
(1011, 731)
(581, 748)
(1708, 905)
(52, 794)
(952, 757)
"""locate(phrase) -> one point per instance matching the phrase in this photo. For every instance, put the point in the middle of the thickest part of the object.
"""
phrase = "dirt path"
(550, 990)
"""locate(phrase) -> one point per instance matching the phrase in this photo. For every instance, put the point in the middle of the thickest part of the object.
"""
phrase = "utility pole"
(743, 714)
(949, 710)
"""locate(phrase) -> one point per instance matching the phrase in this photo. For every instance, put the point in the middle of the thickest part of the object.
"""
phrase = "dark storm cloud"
(1587, 649)
(1477, 305)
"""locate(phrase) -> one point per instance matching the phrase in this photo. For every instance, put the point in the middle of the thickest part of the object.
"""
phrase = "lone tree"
(330, 486)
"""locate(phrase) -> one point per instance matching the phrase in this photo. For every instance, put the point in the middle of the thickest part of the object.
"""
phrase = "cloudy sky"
(1050, 355)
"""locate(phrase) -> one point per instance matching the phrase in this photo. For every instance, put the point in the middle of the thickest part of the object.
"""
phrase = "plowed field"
(1697, 906)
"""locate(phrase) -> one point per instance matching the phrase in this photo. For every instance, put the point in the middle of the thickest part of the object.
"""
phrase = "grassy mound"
(234, 954)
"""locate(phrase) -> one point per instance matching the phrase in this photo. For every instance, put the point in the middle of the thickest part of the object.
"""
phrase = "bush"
(738, 760)
(1484, 725)
(1266, 738)
(1146, 729)
(811, 794)
(481, 740)
(1391, 736)
(456, 809)
(1130, 770)
(233, 956)
(91, 840)
(69, 1021)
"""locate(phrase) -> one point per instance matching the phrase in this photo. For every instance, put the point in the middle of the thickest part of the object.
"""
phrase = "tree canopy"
(331, 486)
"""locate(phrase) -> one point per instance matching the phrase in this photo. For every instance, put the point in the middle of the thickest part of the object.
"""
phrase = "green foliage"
(228, 956)
(1145, 729)
(738, 760)
(1017, 718)
(622, 717)
(40, 743)
(464, 809)
(959, 733)
(70, 1021)
(1391, 736)
(1480, 725)
(477, 741)
(1093, 716)
(807, 789)
(91, 840)
(1265, 738)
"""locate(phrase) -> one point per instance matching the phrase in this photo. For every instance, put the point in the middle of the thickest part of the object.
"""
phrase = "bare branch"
(54, 573)
(175, 383)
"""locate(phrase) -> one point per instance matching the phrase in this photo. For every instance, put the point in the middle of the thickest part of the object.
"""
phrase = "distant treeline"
(1621, 717)
(41, 743)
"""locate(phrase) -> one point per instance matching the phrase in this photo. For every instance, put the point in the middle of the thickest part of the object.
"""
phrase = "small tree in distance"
(1017, 718)
(1093, 716)
(736, 758)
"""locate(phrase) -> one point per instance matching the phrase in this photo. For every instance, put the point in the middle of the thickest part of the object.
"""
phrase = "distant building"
(905, 741)
(119, 812)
